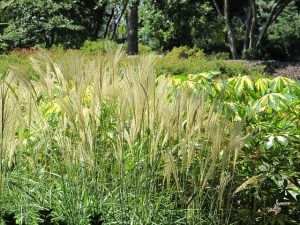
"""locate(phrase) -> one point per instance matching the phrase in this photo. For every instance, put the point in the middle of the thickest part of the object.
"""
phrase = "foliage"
(98, 46)
(168, 24)
(104, 46)
(269, 162)
(51, 22)
(39, 22)
(163, 25)
(14, 60)
(101, 136)
(219, 55)
(105, 135)
(242, 18)
(184, 60)
(284, 35)
(184, 52)
(3, 47)
(144, 49)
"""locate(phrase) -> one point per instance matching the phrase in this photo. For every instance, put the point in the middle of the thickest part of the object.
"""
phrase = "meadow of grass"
(100, 137)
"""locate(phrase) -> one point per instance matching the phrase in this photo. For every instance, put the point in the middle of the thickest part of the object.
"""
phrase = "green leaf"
(252, 181)
(215, 73)
(262, 85)
(177, 80)
(180, 77)
(243, 82)
(273, 100)
(279, 83)
(201, 77)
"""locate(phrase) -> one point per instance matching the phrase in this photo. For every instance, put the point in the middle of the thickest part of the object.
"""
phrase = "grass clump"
(99, 136)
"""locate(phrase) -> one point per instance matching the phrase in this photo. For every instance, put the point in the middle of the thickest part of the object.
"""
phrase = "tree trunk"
(249, 41)
(132, 29)
(253, 23)
(230, 30)
(111, 15)
(248, 29)
(98, 19)
(118, 20)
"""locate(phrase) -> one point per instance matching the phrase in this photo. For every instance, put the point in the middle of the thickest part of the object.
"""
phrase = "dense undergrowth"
(102, 136)
(181, 60)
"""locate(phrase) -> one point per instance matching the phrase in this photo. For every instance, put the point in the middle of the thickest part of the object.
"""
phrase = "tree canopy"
(246, 28)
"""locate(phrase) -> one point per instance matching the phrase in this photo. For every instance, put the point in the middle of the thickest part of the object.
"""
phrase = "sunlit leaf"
(273, 101)
(180, 77)
(243, 83)
(205, 75)
(248, 183)
(215, 73)
(279, 83)
(201, 77)
(270, 143)
(189, 84)
(262, 85)
(177, 80)
(282, 140)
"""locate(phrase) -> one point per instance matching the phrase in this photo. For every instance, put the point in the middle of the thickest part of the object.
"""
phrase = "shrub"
(3, 47)
(219, 55)
(184, 52)
(144, 49)
(184, 60)
(99, 46)
(252, 54)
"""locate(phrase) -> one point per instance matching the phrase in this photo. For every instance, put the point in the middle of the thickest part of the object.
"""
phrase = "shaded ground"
(278, 68)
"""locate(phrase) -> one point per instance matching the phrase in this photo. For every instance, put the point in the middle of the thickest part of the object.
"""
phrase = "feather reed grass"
(108, 136)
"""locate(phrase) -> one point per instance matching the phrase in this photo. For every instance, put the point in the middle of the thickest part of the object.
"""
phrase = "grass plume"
(106, 135)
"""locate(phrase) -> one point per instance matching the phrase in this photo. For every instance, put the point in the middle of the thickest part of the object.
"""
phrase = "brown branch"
(277, 9)
(230, 30)
(248, 28)
(111, 15)
(218, 8)
(253, 22)
(119, 19)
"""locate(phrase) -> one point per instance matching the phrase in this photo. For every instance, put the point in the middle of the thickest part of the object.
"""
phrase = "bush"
(3, 47)
(184, 60)
(219, 55)
(252, 54)
(184, 52)
(284, 35)
(99, 46)
(144, 49)
(16, 61)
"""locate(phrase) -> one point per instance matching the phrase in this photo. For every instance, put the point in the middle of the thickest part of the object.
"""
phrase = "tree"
(132, 28)
(173, 23)
(284, 35)
(68, 22)
(252, 36)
